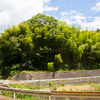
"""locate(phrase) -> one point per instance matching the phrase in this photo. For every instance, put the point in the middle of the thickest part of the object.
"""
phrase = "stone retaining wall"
(55, 75)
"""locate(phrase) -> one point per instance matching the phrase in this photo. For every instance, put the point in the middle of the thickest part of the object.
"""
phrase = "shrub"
(58, 59)
(51, 66)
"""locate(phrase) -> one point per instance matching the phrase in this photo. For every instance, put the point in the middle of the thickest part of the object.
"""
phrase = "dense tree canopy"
(44, 41)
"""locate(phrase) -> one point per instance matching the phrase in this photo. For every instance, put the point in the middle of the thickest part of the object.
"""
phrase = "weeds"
(20, 96)
(51, 83)
(96, 86)
(90, 81)
(38, 85)
(52, 87)
(63, 84)
(70, 89)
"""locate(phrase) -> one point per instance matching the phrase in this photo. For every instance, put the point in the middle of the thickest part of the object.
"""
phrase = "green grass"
(96, 86)
(51, 86)
(21, 96)
(50, 71)
(79, 84)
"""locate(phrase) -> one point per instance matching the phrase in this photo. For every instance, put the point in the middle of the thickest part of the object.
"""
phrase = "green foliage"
(58, 58)
(51, 66)
(96, 86)
(15, 69)
(53, 86)
(63, 84)
(38, 42)
(90, 81)
(38, 84)
(57, 61)
(20, 96)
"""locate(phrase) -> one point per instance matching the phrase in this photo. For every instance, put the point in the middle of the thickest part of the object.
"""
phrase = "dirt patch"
(74, 88)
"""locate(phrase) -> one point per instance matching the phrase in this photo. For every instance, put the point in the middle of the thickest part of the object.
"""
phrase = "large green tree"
(34, 43)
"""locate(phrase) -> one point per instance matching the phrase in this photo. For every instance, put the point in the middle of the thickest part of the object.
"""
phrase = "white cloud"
(13, 12)
(74, 18)
(47, 8)
(96, 7)
(4, 15)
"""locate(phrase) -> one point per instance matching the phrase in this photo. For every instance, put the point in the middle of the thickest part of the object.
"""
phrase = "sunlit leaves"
(43, 39)
(58, 59)
(72, 45)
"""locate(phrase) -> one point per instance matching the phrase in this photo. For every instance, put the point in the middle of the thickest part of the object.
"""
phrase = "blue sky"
(85, 13)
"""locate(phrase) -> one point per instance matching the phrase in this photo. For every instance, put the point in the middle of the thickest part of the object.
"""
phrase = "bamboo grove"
(47, 44)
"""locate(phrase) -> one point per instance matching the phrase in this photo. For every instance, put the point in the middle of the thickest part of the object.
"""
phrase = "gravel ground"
(7, 98)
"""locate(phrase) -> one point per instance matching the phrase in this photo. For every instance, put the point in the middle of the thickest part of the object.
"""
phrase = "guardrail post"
(14, 95)
(49, 97)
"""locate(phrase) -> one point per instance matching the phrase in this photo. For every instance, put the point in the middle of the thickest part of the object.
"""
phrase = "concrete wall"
(53, 75)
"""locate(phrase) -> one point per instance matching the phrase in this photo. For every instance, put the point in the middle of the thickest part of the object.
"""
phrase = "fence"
(43, 80)
(53, 95)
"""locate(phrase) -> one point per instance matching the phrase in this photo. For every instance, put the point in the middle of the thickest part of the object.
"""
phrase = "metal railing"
(53, 95)
(41, 80)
